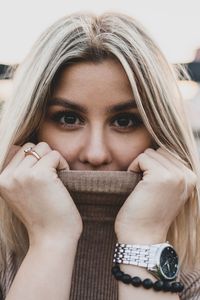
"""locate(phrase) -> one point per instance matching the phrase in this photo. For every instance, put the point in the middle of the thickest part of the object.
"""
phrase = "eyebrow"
(121, 106)
(66, 103)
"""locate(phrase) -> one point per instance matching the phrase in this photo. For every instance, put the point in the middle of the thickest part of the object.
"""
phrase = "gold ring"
(30, 151)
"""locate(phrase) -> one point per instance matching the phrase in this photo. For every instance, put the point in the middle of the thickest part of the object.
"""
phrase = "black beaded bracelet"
(159, 285)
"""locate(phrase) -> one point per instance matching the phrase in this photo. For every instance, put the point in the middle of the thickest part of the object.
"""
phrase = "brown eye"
(67, 119)
(127, 121)
(123, 122)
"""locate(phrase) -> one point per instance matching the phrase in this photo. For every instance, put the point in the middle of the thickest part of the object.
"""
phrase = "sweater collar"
(99, 195)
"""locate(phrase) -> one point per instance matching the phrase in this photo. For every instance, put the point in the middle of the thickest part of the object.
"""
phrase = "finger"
(52, 159)
(167, 159)
(177, 160)
(144, 162)
(13, 150)
(183, 168)
(17, 156)
(30, 160)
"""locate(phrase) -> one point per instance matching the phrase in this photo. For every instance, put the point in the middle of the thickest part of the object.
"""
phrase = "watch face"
(169, 263)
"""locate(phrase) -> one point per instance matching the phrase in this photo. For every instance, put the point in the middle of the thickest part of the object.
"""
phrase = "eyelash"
(135, 118)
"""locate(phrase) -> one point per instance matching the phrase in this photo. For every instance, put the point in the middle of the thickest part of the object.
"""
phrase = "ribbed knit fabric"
(98, 196)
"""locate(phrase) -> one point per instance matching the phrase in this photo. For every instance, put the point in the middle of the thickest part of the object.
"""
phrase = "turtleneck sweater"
(98, 196)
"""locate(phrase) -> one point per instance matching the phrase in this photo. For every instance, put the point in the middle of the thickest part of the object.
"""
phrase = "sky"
(173, 24)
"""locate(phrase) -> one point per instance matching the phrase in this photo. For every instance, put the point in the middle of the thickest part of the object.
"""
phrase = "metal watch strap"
(138, 255)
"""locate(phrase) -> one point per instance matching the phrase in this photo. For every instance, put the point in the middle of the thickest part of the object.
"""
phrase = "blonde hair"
(85, 37)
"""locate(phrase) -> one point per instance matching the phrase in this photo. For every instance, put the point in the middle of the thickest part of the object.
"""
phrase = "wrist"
(54, 241)
(54, 236)
(142, 238)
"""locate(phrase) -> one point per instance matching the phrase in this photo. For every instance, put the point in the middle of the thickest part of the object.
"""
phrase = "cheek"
(128, 147)
(66, 144)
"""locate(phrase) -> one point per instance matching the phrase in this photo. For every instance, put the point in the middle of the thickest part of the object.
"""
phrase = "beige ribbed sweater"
(98, 196)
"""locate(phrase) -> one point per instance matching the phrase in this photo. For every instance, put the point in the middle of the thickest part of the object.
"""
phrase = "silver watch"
(160, 259)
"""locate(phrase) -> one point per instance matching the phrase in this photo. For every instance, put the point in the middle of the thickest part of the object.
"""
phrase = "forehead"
(102, 83)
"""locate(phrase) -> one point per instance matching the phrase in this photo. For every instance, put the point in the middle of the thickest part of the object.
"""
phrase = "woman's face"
(92, 120)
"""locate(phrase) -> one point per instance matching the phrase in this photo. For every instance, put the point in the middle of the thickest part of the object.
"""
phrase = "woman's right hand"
(37, 196)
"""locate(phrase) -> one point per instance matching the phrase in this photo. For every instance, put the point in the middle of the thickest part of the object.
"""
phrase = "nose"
(95, 151)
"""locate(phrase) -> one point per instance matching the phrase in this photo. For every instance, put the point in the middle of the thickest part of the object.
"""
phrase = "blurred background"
(174, 25)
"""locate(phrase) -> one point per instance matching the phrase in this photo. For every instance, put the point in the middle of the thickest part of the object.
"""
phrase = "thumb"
(63, 164)
(135, 166)
(144, 162)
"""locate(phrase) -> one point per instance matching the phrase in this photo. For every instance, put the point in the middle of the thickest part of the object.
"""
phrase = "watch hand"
(168, 266)
(166, 263)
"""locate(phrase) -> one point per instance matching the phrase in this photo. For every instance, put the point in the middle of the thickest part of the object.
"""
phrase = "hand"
(37, 196)
(157, 199)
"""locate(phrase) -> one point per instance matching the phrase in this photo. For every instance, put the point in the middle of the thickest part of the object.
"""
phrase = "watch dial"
(169, 263)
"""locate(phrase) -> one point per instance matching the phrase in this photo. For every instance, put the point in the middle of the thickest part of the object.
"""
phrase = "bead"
(177, 287)
(126, 278)
(119, 275)
(136, 281)
(167, 286)
(181, 287)
(115, 269)
(147, 283)
(158, 285)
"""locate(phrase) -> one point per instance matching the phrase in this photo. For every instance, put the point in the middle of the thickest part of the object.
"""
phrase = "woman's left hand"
(157, 199)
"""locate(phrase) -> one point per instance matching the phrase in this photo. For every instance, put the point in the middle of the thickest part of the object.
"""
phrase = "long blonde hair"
(85, 37)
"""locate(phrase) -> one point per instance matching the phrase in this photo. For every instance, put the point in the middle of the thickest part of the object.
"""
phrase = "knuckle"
(166, 178)
(31, 179)
(174, 179)
(149, 150)
(18, 176)
(27, 145)
(181, 181)
(56, 154)
(142, 156)
(178, 181)
(21, 177)
(44, 146)
(6, 183)
(192, 179)
(34, 175)
(3, 181)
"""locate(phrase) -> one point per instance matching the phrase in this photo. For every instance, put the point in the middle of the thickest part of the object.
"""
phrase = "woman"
(95, 94)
